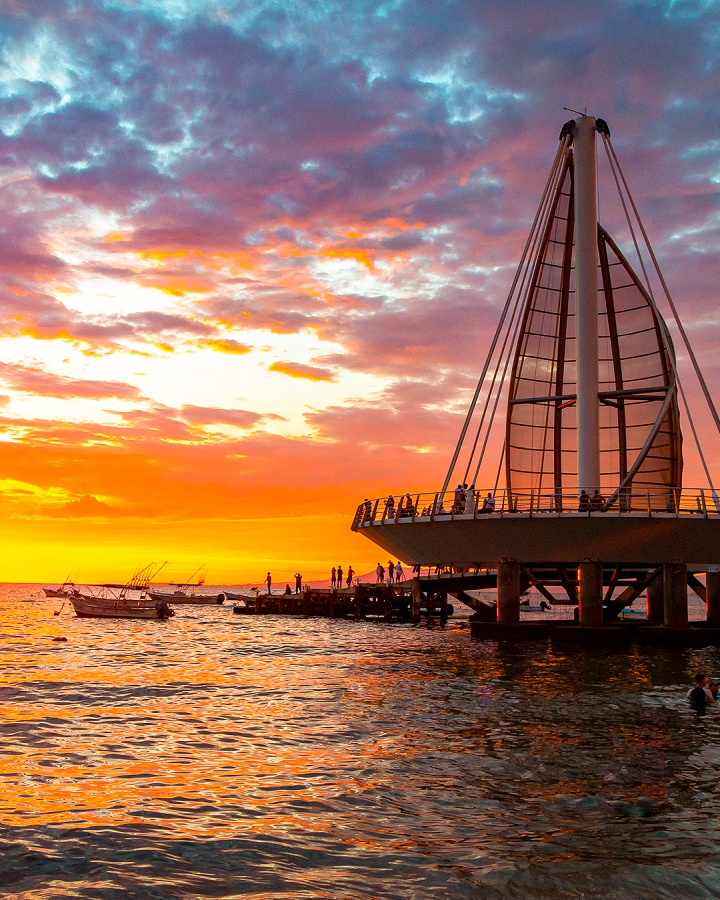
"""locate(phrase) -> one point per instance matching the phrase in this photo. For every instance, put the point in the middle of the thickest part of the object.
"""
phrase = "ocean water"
(217, 755)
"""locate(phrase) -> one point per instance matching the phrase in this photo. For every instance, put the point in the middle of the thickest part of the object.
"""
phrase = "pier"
(402, 602)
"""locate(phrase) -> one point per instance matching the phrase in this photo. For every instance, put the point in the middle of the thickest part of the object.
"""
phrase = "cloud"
(86, 505)
(301, 370)
(224, 345)
(242, 418)
(47, 384)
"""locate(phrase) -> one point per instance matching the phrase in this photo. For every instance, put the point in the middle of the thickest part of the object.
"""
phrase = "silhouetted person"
(298, 582)
(584, 502)
(597, 501)
(391, 571)
(339, 576)
(488, 504)
(701, 695)
(268, 582)
(350, 574)
(333, 577)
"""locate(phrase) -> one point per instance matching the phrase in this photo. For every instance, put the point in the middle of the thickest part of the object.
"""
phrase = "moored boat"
(62, 591)
(90, 606)
(184, 595)
(122, 601)
(186, 591)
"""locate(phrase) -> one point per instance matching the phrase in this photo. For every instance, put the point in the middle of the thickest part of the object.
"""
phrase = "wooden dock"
(403, 602)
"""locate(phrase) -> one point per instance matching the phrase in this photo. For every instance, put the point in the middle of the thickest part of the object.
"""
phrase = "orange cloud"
(300, 370)
(225, 346)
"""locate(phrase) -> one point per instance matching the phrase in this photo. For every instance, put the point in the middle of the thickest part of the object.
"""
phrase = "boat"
(94, 606)
(186, 592)
(121, 601)
(62, 590)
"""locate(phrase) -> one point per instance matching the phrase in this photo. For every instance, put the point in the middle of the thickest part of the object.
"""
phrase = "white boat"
(186, 592)
(62, 590)
(91, 606)
(121, 601)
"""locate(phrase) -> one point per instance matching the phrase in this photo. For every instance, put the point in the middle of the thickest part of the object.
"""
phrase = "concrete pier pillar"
(675, 592)
(656, 601)
(508, 592)
(590, 590)
(712, 597)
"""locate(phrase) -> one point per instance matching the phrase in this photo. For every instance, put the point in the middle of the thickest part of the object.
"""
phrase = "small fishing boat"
(121, 601)
(64, 590)
(186, 592)
(93, 606)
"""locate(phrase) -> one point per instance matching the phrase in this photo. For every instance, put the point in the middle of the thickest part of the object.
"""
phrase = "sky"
(252, 254)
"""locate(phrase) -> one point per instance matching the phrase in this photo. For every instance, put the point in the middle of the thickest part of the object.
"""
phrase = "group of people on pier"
(466, 499)
(406, 507)
(336, 577)
(394, 572)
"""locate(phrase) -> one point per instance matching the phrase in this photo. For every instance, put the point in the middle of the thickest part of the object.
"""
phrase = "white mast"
(586, 299)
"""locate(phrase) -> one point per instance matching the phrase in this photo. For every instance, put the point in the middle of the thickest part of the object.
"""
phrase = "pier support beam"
(590, 589)
(444, 605)
(508, 592)
(712, 597)
(675, 590)
(656, 601)
(417, 597)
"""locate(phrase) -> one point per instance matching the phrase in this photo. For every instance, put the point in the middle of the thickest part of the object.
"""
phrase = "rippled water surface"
(216, 755)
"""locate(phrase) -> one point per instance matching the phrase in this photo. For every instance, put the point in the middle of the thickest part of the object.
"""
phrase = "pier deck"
(403, 602)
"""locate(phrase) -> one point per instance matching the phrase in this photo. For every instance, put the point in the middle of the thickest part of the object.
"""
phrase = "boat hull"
(195, 600)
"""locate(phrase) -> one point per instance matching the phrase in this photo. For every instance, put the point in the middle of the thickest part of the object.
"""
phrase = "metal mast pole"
(586, 299)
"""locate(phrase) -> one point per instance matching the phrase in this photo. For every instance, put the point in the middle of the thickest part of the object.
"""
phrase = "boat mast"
(586, 297)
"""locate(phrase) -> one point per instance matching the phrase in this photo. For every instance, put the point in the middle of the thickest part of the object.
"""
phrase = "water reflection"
(215, 755)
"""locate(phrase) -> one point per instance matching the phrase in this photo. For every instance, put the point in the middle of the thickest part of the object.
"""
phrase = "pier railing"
(438, 506)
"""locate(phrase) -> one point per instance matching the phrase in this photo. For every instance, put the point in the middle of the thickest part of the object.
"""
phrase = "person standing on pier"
(391, 571)
(339, 577)
(399, 574)
(333, 577)
(380, 572)
(298, 582)
(350, 574)
(268, 582)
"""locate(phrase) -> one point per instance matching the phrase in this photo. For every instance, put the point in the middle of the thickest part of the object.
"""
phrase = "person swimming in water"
(701, 695)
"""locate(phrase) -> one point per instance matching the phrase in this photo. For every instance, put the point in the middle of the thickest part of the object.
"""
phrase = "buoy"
(221, 598)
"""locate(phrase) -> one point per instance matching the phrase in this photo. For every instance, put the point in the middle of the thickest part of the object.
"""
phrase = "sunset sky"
(252, 254)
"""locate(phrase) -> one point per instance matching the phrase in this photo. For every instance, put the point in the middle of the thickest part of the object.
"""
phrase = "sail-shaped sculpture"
(593, 500)
(640, 439)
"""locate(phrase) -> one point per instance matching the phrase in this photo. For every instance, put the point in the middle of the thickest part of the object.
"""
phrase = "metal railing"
(451, 505)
